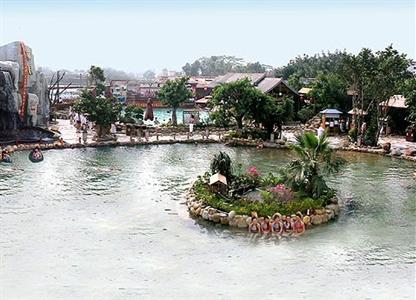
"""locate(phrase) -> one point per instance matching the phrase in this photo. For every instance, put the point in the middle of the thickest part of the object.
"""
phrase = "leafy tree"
(233, 101)
(102, 111)
(174, 93)
(310, 66)
(97, 78)
(270, 112)
(408, 89)
(329, 91)
(315, 159)
(132, 114)
(219, 65)
(149, 74)
(221, 163)
(306, 113)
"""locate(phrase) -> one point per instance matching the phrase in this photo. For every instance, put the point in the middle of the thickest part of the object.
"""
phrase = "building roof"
(331, 111)
(204, 100)
(231, 77)
(267, 84)
(357, 111)
(304, 90)
(217, 177)
(398, 101)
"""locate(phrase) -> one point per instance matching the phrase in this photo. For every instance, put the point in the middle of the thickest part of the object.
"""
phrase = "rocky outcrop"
(11, 75)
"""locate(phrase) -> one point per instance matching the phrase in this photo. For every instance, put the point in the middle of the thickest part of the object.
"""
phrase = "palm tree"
(315, 159)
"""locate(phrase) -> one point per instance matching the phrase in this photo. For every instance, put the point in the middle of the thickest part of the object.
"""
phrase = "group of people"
(279, 225)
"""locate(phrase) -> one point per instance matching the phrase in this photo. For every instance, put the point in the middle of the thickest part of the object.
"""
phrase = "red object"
(149, 111)
(24, 82)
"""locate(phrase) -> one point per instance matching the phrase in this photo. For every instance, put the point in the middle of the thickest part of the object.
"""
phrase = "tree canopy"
(240, 101)
(219, 65)
(173, 93)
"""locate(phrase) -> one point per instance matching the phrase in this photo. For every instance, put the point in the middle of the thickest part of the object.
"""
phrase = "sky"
(135, 36)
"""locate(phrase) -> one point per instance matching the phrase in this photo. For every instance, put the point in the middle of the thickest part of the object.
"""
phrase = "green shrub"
(305, 114)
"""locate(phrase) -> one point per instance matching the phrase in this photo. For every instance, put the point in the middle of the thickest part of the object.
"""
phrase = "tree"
(408, 89)
(219, 65)
(315, 159)
(174, 93)
(149, 75)
(233, 101)
(132, 114)
(270, 112)
(102, 111)
(329, 91)
(97, 78)
(99, 109)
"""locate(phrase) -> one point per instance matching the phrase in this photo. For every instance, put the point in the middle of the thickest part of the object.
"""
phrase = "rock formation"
(23, 91)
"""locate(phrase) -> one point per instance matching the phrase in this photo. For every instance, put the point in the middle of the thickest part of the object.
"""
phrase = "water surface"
(111, 224)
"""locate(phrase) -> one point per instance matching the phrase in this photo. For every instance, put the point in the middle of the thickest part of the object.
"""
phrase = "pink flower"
(253, 171)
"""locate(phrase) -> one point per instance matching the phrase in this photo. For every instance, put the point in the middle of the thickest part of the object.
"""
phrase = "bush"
(305, 114)
(245, 207)
(221, 163)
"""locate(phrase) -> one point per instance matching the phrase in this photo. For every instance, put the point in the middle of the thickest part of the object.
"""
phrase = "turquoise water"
(111, 224)
(164, 114)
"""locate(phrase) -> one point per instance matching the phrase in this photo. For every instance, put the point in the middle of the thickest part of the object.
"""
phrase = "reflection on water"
(110, 224)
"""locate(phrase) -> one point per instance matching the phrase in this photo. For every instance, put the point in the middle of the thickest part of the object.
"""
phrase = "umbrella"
(149, 111)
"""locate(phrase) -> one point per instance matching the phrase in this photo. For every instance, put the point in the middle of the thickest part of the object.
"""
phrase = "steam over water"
(110, 224)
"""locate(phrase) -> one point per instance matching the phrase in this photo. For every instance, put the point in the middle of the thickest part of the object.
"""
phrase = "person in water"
(36, 153)
(254, 226)
(287, 224)
(298, 226)
(5, 156)
(277, 226)
(266, 227)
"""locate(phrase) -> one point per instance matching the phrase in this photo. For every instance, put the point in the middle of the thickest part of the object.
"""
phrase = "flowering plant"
(282, 193)
(252, 171)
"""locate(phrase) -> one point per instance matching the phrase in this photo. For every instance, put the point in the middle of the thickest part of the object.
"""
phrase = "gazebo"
(330, 118)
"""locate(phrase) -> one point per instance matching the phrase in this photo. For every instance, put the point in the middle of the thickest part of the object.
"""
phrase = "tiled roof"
(231, 77)
(267, 84)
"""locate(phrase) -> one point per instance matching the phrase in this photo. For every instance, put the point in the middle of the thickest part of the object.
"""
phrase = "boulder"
(224, 219)
(198, 211)
(231, 215)
(216, 217)
(204, 214)
(248, 220)
(325, 218)
(316, 219)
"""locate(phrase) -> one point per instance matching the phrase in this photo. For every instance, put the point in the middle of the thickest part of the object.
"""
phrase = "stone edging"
(198, 208)
(22, 147)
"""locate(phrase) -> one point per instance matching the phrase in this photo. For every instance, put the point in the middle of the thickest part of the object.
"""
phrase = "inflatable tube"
(33, 159)
(7, 160)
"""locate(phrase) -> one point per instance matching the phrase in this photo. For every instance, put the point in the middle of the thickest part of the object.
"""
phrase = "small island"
(231, 196)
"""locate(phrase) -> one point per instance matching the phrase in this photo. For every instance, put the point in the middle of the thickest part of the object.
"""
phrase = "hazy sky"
(139, 35)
